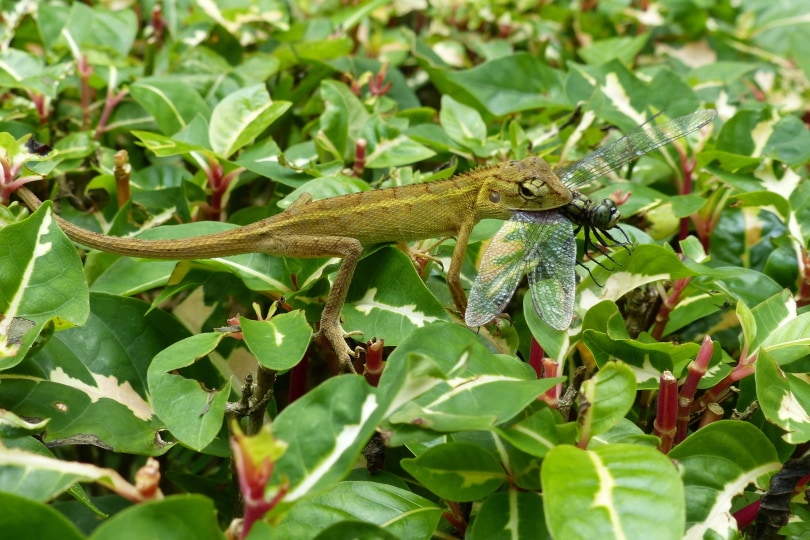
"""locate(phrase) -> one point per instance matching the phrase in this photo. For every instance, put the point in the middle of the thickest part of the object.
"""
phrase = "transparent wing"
(643, 139)
(529, 241)
(552, 280)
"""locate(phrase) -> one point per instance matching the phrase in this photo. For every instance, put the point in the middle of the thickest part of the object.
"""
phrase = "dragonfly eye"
(606, 214)
(527, 191)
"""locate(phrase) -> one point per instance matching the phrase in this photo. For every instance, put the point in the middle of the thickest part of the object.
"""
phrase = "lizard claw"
(335, 335)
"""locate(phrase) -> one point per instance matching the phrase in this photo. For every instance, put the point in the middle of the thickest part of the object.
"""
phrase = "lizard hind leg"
(347, 248)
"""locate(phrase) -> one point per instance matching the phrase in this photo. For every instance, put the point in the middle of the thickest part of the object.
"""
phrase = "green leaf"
(531, 84)
(177, 517)
(172, 102)
(42, 282)
(342, 121)
(396, 151)
(241, 117)
(647, 264)
(538, 433)
(463, 124)
(779, 330)
(624, 49)
(97, 28)
(340, 415)
(613, 491)
(718, 462)
(606, 337)
(89, 381)
(278, 343)
(610, 395)
(355, 529)
(387, 298)
(784, 398)
(164, 146)
(24, 518)
(509, 515)
(12, 426)
(192, 412)
(457, 471)
(426, 387)
(472, 402)
(396, 511)
(42, 477)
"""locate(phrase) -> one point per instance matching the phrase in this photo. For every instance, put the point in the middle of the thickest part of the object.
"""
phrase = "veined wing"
(643, 139)
(540, 244)
(552, 280)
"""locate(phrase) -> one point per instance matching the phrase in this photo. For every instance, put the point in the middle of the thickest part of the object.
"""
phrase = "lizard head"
(528, 184)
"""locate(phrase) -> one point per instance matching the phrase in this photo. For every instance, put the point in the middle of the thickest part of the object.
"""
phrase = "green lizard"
(342, 226)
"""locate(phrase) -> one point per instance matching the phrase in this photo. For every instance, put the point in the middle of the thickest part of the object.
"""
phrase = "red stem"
(803, 297)
(110, 103)
(359, 157)
(743, 369)
(85, 71)
(696, 370)
(298, 379)
(667, 306)
(39, 103)
(551, 369)
(745, 516)
(536, 355)
(455, 517)
(665, 424)
(374, 361)
(688, 167)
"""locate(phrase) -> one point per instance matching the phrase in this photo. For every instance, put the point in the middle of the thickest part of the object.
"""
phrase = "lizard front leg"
(347, 248)
(454, 273)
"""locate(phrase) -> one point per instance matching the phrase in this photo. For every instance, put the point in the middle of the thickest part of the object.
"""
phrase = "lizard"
(342, 226)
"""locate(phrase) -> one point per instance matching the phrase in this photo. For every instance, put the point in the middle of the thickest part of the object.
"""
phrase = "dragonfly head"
(528, 185)
(605, 215)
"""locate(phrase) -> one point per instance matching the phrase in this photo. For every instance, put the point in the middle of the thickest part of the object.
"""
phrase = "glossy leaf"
(192, 412)
(241, 117)
(341, 414)
(43, 478)
(613, 491)
(457, 471)
(278, 343)
(89, 381)
(508, 515)
(396, 511)
(784, 398)
(609, 394)
(388, 299)
(44, 283)
(172, 103)
(24, 518)
(179, 516)
(737, 454)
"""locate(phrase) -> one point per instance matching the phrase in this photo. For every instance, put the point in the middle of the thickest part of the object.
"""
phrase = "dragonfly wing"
(552, 280)
(643, 139)
(504, 265)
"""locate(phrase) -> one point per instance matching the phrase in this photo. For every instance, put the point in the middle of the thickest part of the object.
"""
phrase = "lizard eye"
(494, 197)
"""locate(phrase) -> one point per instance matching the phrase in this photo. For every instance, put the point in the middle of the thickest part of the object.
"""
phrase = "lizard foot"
(335, 335)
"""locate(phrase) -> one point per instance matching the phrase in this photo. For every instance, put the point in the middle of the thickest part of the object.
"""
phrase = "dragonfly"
(543, 244)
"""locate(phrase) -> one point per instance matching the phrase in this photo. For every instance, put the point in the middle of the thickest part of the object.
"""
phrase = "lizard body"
(342, 226)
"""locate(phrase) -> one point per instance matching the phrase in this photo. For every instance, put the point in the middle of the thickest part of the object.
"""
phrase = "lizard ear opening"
(494, 197)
